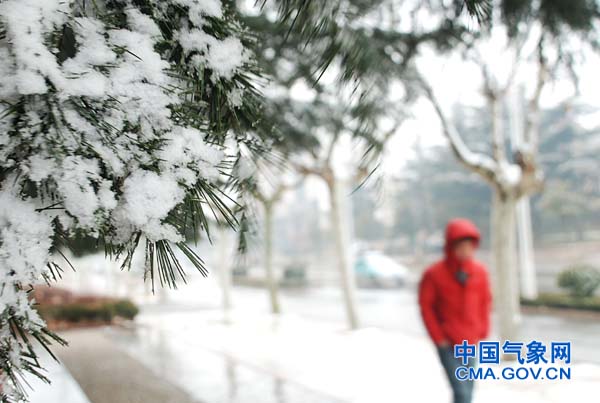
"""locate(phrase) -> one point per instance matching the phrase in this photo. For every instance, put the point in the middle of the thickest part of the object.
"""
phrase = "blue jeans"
(462, 391)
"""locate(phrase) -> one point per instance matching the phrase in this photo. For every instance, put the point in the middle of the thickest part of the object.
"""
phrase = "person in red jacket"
(455, 301)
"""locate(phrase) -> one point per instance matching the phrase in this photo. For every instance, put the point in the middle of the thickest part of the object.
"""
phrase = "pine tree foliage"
(555, 15)
(364, 38)
(367, 45)
(114, 116)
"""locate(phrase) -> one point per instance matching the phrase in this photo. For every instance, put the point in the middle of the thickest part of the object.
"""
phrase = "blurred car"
(294, 275)
(374, 269)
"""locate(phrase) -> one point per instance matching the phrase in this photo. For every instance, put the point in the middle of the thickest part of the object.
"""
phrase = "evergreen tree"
(114, 117)
(569, 155)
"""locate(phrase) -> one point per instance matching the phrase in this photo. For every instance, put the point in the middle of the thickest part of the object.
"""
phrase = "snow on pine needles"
(114, 116)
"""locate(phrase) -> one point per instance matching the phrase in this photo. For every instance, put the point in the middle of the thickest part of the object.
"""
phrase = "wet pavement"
(187, 350)
(177, 355)
(387, 309)
(288, 359)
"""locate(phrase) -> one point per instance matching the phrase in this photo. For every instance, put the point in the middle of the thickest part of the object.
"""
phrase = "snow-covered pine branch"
(113, 120)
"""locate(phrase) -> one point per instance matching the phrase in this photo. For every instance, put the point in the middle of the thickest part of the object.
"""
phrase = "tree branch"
(498, 135)
(305, 170)
(493, 95)
(476, 162)
(331, 147)
(531, 129)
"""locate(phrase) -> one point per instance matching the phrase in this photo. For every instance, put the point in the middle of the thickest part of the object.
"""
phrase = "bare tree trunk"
(224, 270)
(529, 288)
(527, 267)
(503, 261)
(271, 280)
(341, 246)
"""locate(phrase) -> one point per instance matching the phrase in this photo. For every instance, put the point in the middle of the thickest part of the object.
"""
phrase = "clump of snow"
(40, 167)
(26, 240)
(223, 57)
(226, 57)
(198, 9)
(75, 183)
(187, 156)
(142, 23)
(148, 198)
(509, 174)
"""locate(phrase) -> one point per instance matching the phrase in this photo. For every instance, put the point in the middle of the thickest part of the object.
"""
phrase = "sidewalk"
(319, 360)
(63, 389)
(106, 375)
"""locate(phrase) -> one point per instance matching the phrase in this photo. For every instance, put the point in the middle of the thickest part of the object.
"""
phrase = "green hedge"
(126, 309)
(98, 311)
(564, 301)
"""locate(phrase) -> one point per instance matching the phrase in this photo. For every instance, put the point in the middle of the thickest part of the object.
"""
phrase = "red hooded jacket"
(451, 311)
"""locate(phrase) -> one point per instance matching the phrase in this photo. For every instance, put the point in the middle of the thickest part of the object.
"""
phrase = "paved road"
(393, 309)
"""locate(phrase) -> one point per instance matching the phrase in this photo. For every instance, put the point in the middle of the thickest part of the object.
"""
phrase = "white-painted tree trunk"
(224, 271)
(270, 273)
(506, 302)
(527, 270)
(341, 235)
